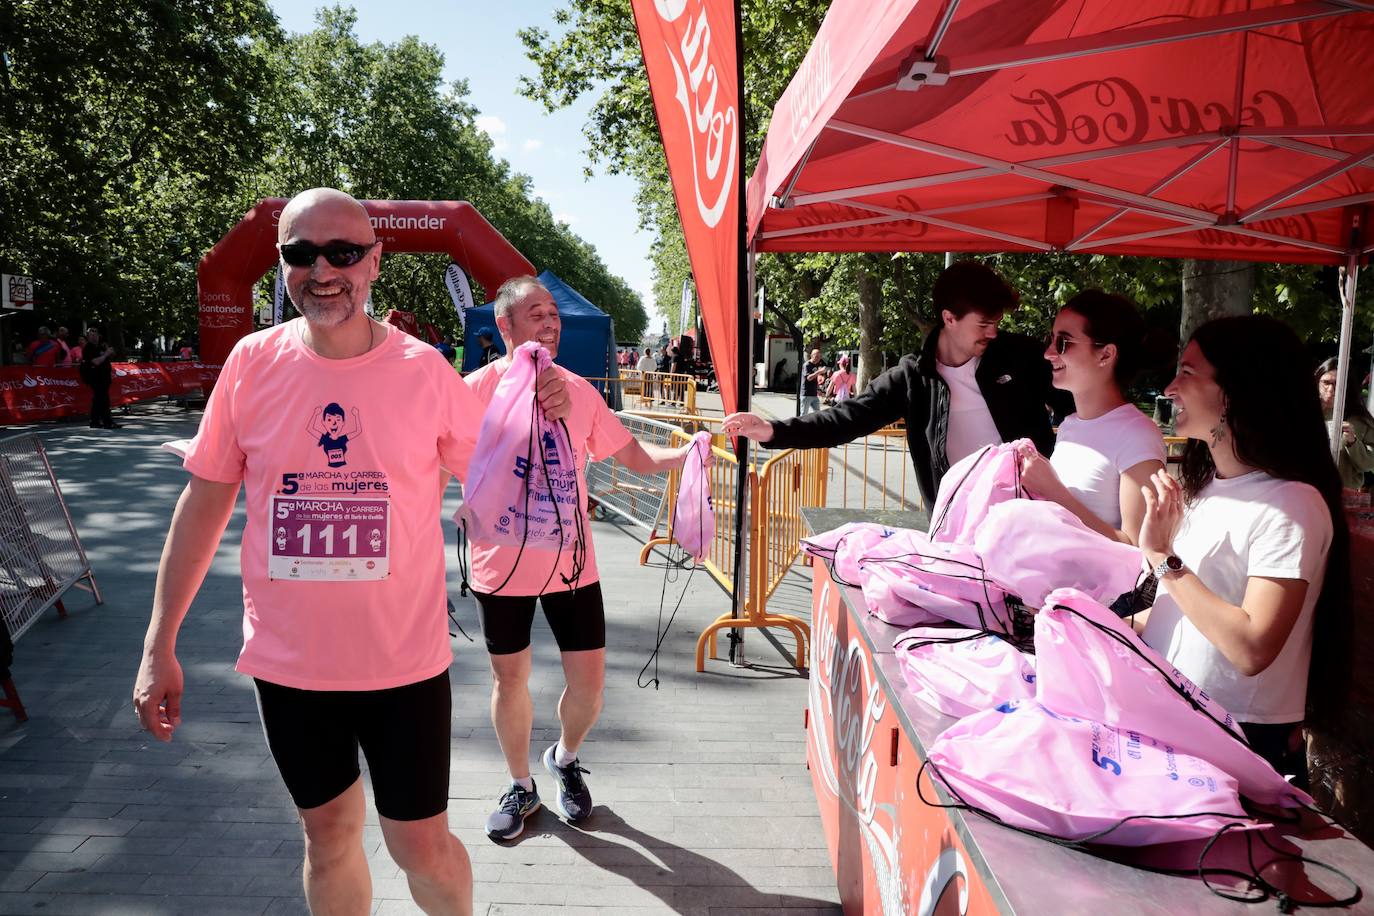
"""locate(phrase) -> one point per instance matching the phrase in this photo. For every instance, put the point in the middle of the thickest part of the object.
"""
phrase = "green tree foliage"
(125, 126)
(137, 134)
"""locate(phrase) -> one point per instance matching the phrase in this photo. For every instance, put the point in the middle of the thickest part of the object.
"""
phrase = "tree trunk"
(1214, 289)
(870, 327)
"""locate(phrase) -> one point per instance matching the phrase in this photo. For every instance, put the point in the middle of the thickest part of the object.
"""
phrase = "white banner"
(460, 292)
(16, 292)
(685, 309)
(278, 297)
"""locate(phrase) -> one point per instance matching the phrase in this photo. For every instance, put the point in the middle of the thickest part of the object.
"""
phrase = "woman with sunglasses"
(1250, 546)
(1107, 450)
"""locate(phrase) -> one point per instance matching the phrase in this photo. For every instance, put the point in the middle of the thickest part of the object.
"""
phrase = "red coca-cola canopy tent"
(1171, 128)
(1191, 128)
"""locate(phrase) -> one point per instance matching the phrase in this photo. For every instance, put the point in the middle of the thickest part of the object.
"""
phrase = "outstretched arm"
(356, 428)
(648, 458)
(312, 425)
(201, 515)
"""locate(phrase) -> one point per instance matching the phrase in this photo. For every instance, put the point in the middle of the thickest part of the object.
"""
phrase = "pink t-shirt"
(593, 429)
(343, 464)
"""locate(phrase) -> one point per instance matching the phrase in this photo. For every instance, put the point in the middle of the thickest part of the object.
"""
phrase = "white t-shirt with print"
(1252, 525)
(1091, 455)
(970, 424)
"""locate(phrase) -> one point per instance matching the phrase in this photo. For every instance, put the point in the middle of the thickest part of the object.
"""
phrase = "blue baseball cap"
(486, 332)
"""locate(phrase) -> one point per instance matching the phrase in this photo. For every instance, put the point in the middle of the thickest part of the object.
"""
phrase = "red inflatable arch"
(229, 270)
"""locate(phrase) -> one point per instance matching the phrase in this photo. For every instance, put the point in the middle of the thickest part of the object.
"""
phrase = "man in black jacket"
(967, 388)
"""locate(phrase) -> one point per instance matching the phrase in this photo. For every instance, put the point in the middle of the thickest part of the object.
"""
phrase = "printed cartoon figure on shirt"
(327, 427)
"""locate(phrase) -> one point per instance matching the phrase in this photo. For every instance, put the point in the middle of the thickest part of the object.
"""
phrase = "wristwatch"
(1170, 564)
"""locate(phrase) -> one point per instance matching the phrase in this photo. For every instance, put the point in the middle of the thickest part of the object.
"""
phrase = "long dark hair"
(1354, 403)
(1275, 420)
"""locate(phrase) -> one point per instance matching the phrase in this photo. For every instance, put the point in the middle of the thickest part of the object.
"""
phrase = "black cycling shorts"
(578, 619)
(314, 736)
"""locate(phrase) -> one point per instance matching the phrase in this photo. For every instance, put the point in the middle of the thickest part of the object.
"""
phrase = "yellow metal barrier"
(640, 391)
(881, 471)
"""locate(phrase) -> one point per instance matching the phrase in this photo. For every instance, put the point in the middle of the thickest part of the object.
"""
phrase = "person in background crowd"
(445, 348)
(47, 350)
(74, 352)
(1107, 450)
(813, 373)
(1250, 547)
(968, 388)
(97, 371)
(63, 337)
(647, 363)
(1357, 427)
(665, 360)
(485, 340)
(184, 351)
(841, 384)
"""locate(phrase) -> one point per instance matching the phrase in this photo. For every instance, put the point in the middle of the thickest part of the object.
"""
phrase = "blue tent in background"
(586, 345)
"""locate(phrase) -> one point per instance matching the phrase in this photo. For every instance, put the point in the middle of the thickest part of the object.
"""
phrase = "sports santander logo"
(714, 134)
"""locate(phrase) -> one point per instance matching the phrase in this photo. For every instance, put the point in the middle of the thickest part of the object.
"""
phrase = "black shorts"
(314, 736)
(578, 619)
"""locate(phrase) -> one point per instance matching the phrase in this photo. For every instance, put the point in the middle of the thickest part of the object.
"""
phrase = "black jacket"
(1013, 375)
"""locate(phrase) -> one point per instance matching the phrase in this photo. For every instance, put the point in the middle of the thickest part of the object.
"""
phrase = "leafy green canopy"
(138, 133)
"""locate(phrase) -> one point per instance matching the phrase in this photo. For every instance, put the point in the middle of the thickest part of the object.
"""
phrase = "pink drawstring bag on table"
(960, 671)
(1031, 547)
(522, 486)
(946, 581)
(842, 548)
(1092, 664)
(694, 517)
(1079, 780)
(972, 486)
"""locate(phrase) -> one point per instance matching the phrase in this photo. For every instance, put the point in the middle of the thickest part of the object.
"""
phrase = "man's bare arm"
(199, 521)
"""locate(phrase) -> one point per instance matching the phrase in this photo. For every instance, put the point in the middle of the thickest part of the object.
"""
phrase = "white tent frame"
(928, 68)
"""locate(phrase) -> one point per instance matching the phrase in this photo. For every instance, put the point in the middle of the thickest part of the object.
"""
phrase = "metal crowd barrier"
(874, 472)
(667, 392)
(638, 498)
(40, 552)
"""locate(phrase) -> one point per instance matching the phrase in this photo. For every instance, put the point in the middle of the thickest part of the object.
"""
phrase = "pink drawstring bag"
(694, 517)
(1079, 780)
(945, 581)
(522, 486)
(960, 671)
(1031, 547)
(842, 548)
(971, 487)
(1092, 664)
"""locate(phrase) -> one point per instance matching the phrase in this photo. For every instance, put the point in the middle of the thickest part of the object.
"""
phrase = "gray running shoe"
(574, 799)
(508, 821)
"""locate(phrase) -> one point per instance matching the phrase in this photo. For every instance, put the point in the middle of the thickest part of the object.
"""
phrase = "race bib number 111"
(334, 539)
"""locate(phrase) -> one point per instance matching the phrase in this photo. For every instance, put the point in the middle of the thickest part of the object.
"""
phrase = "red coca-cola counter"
(896, 855)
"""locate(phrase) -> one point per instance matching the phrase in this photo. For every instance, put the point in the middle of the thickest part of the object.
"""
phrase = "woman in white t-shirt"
(1250, 546)
(1107, 450)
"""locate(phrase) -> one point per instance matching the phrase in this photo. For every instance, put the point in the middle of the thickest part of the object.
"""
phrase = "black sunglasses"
(338, 254)
(1062, 342)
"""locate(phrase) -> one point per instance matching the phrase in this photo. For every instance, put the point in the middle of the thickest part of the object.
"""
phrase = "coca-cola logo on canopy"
(714, 132)
(1115, 110)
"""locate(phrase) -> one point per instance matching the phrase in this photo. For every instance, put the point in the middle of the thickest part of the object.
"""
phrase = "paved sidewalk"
(704, 805)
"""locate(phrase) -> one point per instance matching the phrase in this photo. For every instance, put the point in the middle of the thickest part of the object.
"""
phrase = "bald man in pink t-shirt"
(343, 432)
(569, 591)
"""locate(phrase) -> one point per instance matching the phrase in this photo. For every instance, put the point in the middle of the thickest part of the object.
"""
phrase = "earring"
(1219, 431)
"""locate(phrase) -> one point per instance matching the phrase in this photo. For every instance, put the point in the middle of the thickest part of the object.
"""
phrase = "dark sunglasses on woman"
(338, 254)
(1062, 342)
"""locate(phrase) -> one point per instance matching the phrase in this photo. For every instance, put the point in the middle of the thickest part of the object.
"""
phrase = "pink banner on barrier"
(29, 393)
